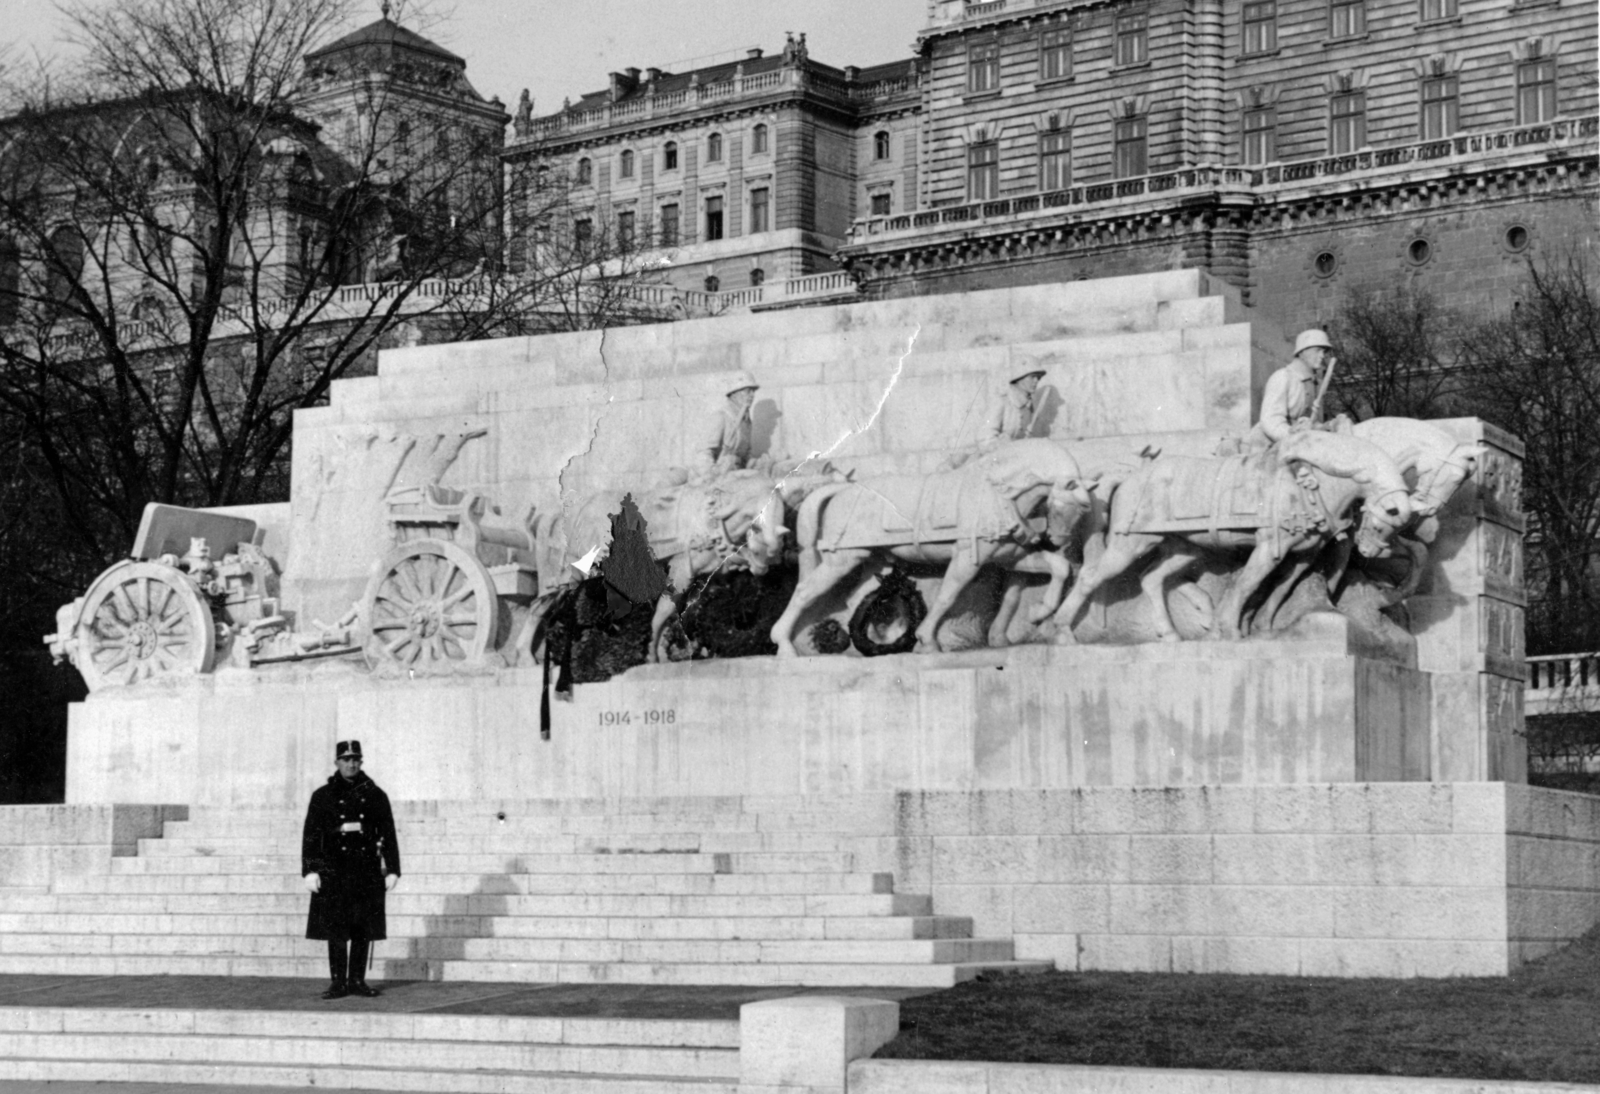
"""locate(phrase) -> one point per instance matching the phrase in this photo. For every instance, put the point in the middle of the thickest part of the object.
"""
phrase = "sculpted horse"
(731, 523)
(996, 509)
(1427, 456)
(1184, 508)
(1435, 464)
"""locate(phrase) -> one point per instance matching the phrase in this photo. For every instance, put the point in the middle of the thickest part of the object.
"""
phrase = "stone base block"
(1349, 880)
(803, 1045)
(1259, 712)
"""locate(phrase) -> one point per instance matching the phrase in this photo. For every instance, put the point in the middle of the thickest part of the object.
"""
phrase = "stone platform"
(1183, 714)
(893, 889)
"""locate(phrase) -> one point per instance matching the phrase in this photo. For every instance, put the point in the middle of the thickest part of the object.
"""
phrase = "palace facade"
(1295, 148)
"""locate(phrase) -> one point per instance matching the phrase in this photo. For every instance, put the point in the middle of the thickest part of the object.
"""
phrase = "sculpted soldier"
(349, 857)
(1011, 418)
(1292, 399)
(724, 443)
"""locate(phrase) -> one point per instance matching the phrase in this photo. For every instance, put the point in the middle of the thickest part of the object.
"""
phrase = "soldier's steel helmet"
(1308, 338)
(1024, 371)
(739, 381)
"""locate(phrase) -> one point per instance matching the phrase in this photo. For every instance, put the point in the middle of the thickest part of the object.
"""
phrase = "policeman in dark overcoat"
(349, 857)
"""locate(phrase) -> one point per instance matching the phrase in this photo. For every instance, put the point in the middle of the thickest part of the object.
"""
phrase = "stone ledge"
(940, 1077)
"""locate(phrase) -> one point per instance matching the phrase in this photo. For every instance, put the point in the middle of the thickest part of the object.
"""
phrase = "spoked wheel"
(430, 607)
(143, 620)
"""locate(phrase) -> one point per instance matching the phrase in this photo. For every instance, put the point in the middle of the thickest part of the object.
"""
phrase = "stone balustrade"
(1468, 148)
(648, 106)
(1563, 683)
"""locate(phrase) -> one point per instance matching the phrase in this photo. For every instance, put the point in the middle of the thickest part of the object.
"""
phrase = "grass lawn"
(1541, 1023)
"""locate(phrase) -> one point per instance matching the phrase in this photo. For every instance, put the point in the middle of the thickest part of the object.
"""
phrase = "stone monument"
(1163, 709)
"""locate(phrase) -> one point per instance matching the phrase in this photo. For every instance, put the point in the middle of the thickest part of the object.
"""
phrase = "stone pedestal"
(1310, 710)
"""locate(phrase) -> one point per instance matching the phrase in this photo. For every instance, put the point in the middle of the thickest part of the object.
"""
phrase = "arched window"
(402, 136)
(880, 145)
(64, 277)
(10, 280)
(758, 277)
(714, 148)
(585, 171)
(758, 139)
(625, 165)
(713, 283)
(669, 156)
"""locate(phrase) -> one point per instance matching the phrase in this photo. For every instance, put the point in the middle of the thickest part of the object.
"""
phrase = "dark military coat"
(349, 841)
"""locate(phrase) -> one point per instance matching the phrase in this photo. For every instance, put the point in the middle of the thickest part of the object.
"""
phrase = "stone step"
(533, 861)
(495, 841)
(526, 950)
(497, 883)
(289, 825)
(180, 1073)
(377, 1025)
(797, 905)
(324, 1053)
(403, 968)
(452, 926)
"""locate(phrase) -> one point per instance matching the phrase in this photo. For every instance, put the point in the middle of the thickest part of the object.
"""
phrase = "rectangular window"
(1055, 54)
(1435, 10)
(1055, 161)
(1347, 123)
(983, 67)
(582, 233)
(713, 219)
(1440, 107)
(669, 225)
(882, 204)
(760, 209)
(1260, 135)
(1133, 38)
(1260, 26)
(1347, 18)
(983, 171)
(1536, 91)
(1129, 148)
(625, 233)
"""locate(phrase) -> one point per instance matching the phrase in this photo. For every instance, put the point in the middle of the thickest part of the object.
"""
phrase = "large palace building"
(1295, 148)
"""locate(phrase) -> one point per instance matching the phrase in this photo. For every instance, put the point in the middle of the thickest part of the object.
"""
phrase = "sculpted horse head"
(1040, 469)
(1427, 454)
(1386, 505)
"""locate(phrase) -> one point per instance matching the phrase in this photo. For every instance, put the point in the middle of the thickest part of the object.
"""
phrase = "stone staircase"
(665, 892)
(373, 1051)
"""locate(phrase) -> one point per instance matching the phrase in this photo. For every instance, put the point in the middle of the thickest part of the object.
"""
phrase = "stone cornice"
(1248, 196)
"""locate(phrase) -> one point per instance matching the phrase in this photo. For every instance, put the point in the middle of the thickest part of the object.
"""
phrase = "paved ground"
(406, 996)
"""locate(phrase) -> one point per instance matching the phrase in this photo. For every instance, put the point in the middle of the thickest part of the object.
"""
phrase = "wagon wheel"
(430, 605)
(142, 620)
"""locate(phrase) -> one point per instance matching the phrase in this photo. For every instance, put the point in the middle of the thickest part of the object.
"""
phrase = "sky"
(559, 50)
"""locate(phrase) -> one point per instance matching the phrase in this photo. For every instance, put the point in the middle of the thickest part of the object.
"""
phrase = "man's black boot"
(338, 988)
(358, 970)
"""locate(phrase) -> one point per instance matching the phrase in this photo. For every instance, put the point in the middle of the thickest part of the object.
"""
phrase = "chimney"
(623, 82)
(652, 74)
(754, 54)
(633, 76)
(852, 73)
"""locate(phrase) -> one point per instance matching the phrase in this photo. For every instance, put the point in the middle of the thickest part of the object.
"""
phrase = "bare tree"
(1395, 355)
(1536, 372)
